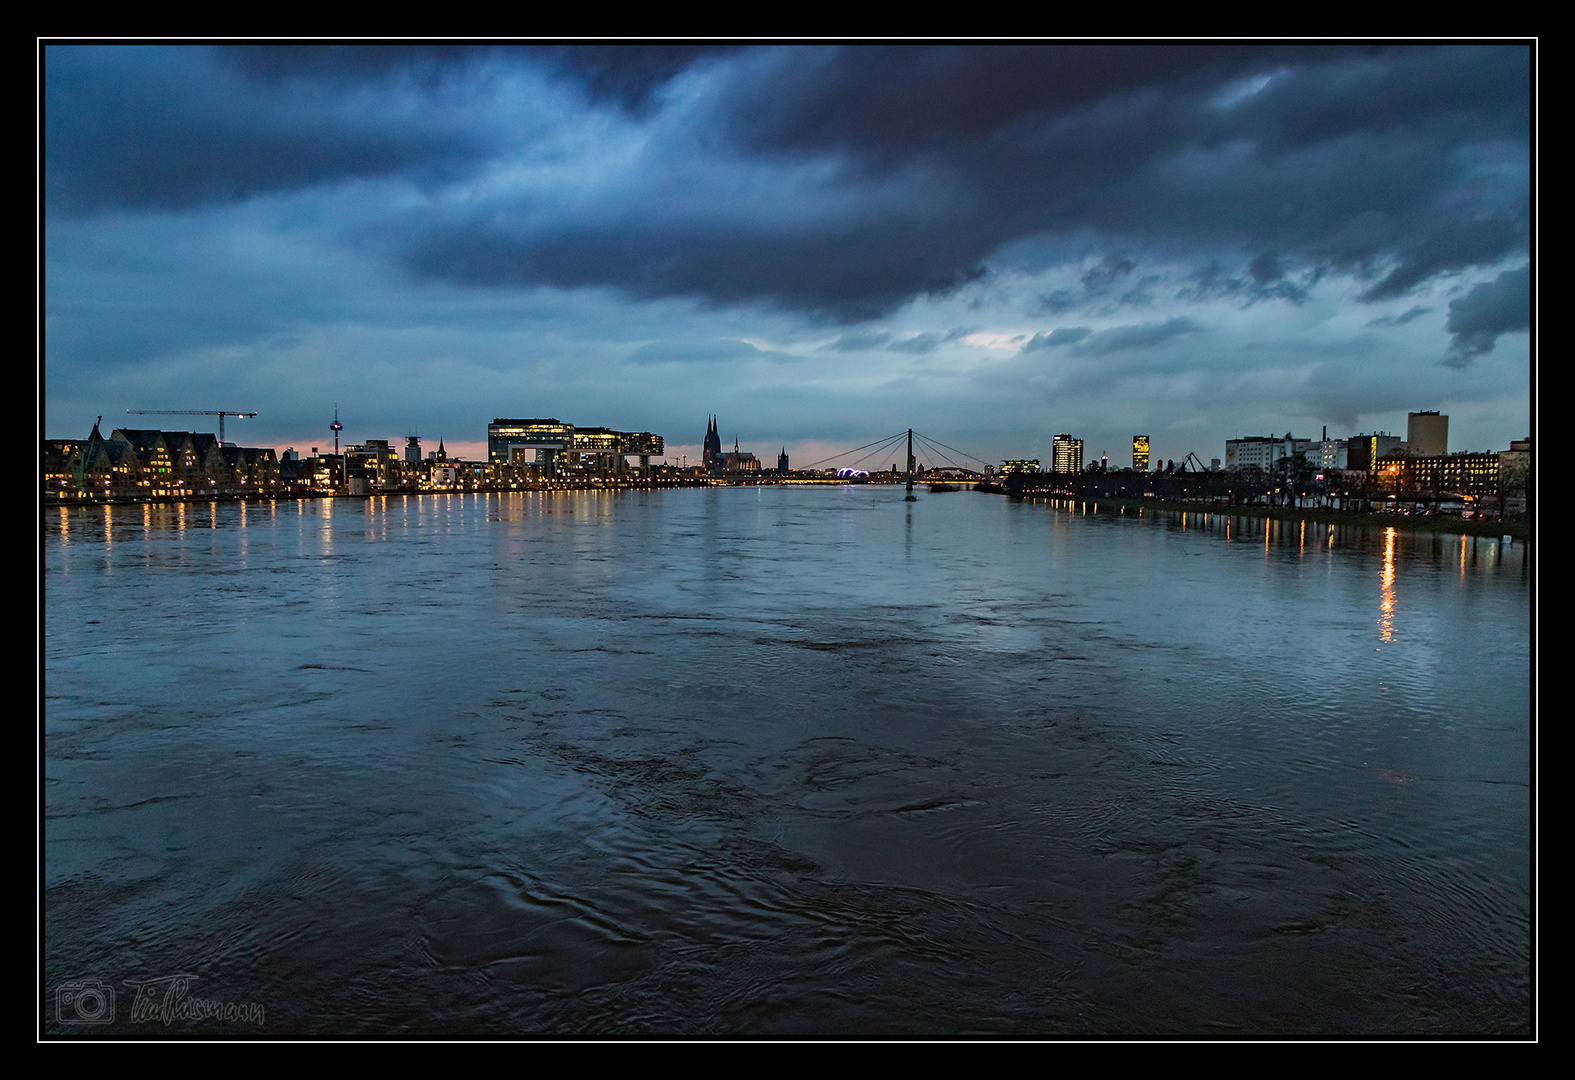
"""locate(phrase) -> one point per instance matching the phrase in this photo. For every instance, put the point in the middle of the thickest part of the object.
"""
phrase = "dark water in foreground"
(779, 760)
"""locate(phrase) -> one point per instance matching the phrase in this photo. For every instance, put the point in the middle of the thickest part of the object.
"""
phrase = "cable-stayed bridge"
(944, 462)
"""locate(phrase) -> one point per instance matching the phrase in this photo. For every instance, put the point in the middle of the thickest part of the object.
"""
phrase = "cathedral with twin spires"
(718, 463)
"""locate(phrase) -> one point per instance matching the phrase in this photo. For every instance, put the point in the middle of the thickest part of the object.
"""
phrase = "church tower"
(711, 456)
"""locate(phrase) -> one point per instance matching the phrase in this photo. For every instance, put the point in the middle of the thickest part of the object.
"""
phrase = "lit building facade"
(1066, 454)
(141, 463)
(553, 448)
(1140, 453)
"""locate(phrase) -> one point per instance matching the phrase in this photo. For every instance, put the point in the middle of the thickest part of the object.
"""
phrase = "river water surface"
(778, 760)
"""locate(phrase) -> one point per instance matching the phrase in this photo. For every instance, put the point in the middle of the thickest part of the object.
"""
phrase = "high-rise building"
(1066, 454)
(1426, 434)
(1140, 453)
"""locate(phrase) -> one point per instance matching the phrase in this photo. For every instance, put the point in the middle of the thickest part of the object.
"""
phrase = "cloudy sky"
(820, 245)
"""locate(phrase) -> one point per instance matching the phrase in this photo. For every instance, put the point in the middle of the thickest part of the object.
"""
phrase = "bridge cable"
(953, 449)
(892, 443)
(856, 449)
(938, 454)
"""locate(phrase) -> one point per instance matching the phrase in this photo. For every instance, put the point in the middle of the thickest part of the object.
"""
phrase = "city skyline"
(817, 244)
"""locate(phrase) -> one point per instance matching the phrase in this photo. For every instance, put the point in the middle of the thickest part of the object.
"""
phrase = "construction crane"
(220, 413)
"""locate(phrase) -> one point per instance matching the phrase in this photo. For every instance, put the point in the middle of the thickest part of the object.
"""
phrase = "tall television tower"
(337, 427)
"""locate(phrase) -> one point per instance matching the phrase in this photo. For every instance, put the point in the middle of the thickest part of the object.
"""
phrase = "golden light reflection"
(65, 524)
(1462, 558)
(1386, 587)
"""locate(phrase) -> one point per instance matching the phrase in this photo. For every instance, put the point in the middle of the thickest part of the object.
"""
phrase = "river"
(779, 761)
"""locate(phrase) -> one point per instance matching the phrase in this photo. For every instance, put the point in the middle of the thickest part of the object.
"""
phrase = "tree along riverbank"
(1423, 523)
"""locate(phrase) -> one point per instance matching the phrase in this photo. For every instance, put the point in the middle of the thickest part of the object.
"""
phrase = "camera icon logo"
(85, 1002)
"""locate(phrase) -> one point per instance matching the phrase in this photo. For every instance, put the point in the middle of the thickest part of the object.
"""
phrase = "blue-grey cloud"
(703, 351)
(860, 340)
(1054, 303)
(1489, 310)
(1085, 341)
(1135, 336)
(1061, 335)
(1416, 311)
(1399, 163)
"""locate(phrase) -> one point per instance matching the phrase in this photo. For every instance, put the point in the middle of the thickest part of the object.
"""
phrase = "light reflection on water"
(1386, 584)
(787, 760)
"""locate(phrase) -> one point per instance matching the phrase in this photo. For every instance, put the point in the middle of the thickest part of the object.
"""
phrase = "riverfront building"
(1262, 451)
(719, 463)
(141, 463)
(549, 449)
(1363, 451)
(1427, 434)
(1066, 455)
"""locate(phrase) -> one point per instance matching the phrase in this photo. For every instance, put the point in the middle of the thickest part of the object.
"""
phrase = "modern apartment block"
(556, 448)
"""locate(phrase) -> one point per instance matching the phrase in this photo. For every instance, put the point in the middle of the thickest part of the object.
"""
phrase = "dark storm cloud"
(171, 129)
(1265, 279)
(1340, 156)
(1106, 274)
(1454, 246)
(627, 75)
(1500, 306)
(838, 181)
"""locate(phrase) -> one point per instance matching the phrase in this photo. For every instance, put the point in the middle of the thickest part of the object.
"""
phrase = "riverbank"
(51, 499)
(1423, 523)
